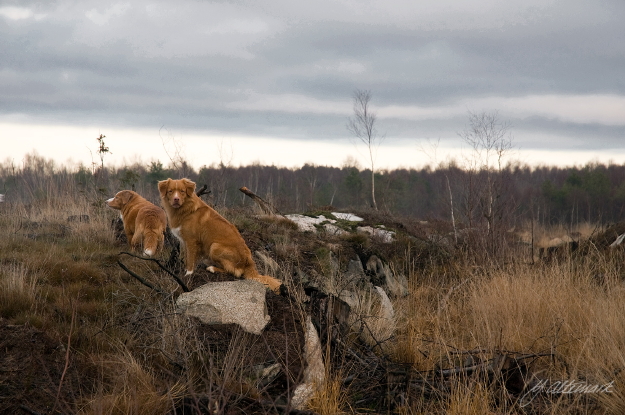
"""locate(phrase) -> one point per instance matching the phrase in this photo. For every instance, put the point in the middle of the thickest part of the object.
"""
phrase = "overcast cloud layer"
(288, 69)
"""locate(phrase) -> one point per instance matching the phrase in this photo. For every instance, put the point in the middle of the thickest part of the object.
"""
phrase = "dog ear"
(162, 186)
(126, 196)
(190, 186)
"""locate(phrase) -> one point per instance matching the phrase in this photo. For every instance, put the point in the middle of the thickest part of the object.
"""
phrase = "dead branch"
(174, 276)
(265, 206)
(203, 191)
(140, 279)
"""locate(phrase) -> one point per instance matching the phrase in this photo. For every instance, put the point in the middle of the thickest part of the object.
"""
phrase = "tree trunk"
(375, 205)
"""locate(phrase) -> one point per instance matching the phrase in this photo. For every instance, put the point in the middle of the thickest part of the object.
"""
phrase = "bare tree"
(491, 141)
(362, 125)
(432, 154)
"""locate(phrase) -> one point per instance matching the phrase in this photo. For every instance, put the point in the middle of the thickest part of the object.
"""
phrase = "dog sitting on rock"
(205, 233)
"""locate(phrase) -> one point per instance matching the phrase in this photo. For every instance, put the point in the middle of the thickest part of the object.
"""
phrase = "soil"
(31, 369)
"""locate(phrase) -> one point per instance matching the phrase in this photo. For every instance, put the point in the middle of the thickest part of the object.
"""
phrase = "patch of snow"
(347, 216)
(307, 223)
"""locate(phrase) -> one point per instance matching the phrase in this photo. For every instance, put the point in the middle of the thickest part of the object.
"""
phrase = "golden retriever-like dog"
(144, 222)
(205, 233)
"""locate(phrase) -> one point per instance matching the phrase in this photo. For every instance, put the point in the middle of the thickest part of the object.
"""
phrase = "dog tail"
(152, 241)
(272, 283)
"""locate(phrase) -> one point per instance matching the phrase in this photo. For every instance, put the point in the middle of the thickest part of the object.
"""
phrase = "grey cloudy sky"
(279, 75)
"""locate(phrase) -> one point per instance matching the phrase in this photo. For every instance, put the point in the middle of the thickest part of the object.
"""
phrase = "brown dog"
(144, 222)
(205, 233)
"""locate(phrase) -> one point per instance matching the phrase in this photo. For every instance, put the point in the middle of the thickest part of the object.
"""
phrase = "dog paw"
(211, 269)
(148, 252)
(188, 273)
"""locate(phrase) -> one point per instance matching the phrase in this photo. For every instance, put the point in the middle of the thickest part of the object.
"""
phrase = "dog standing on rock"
(144, 222)
(205, 233)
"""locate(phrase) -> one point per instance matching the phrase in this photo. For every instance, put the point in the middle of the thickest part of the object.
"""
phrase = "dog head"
(121, 199)
(176, 192)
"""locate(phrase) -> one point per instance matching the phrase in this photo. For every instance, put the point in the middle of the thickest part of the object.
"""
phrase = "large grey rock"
(383, 235)
(239, 302)
(355, 274)
(395, 284)
(372, 308)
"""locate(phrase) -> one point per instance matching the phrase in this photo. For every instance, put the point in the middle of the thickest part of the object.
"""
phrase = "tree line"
(506, 196)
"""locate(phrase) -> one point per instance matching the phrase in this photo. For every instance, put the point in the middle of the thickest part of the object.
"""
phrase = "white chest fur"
(176, 232)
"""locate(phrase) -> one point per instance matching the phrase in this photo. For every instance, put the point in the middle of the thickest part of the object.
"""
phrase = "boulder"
(381, 274)
(371, 308)
(355, 274)
(239, 302)
(383, 235)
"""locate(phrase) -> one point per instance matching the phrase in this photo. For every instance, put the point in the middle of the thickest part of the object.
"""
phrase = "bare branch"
(174, 276)
(140, 279)
(203, 191)
(265, 206)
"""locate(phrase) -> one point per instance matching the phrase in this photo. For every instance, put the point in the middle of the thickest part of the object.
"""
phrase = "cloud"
(102, 18)
(288, 68)
(577, 109)
(165, 29)
(290, 103)
(19, 13)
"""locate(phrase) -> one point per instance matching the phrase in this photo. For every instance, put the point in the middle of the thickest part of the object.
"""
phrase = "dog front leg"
(190, 258)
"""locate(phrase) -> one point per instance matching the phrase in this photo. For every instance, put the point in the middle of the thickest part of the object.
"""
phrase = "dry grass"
(127, 340)
(18, 290)
(331, 397)
(572, 309)
(130, 388)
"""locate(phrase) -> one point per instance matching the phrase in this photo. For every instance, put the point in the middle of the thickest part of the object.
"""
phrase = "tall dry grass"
(18, 290)
(51, 267)
(571, 309)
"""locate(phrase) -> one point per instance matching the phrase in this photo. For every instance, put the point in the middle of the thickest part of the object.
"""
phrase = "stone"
(383, 235)
(314, 373)
(239, 302)
(396, 284)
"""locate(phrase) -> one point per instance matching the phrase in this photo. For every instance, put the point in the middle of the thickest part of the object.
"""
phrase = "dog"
(204, 233)
(144, 222)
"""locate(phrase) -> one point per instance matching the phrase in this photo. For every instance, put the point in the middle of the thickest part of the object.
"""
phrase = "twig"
(141, 280)
(69, 343)
(163, 267)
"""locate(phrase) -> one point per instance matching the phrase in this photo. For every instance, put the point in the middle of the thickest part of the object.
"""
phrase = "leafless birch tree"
(362, 125)
(491, 141)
